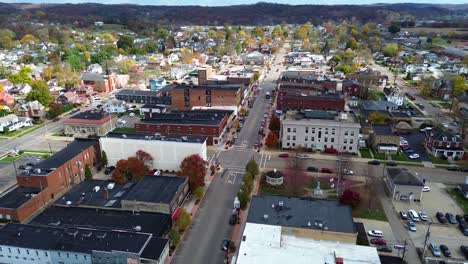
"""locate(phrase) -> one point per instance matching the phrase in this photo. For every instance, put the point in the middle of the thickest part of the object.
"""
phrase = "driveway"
(416, 141)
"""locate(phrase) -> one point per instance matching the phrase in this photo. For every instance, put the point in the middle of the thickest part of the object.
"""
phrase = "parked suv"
(435, 249)
(440, 216)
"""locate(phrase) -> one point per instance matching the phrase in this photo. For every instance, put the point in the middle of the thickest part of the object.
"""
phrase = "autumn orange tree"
(272, 140)
(194, 168)
(133, 168)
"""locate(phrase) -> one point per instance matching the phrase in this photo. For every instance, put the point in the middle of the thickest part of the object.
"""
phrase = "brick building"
(354, 88)
(186, 97)
(204, 123)
(326, 85)
(298, 98)
(48, 179)
(86, 124)
(440, 143)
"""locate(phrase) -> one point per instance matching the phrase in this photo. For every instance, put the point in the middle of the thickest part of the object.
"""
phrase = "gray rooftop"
(156, 189)
(143, 136)
(299, 212)
(17, 197)
(401, 176)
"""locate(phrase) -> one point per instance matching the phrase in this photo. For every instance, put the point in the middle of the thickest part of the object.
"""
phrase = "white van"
(413, 215)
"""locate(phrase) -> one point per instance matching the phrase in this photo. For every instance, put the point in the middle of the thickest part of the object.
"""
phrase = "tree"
(21, 77)
(6, 38)
(391, 50)
(377, 118)
(238, 48)
(87, 172)
(350, 197)
(162, 33)
(40, 92)
(275, 124)
(426, 85)
(145, 157)
(256, 76)
(137, 169)
(198, 193)
(100, 57)
(28, 39)
(194, 167)
(183, 220)
(394, 28)
(104, 160)
(458, 85)
(272, 140)
(252, 167)
(55, 109)
(352, 44)
(2, 88)
(465, 60)
(125, 42)
(344, 69)
(244, 197)
(174, 236)
(125, 65)
(117, 175)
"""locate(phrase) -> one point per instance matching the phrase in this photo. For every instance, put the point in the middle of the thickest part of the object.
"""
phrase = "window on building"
(294, 137)
(344, 147)
(351, 141)
(306, 138)
(27, 251)
(9, 250)
(345, 141)
(352, 133)
(293, 144)
(59, 254)
(326, 139)
(37, 253)
(294, 130)
(287, 144)
(312, 139)
(289, 129)
(346, 133)
(332, 140)
(288, 137)
(350, 148)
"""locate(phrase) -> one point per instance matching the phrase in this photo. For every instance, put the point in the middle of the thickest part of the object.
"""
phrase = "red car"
(56, 119)
(326, 170)
(411, 97)
(378, 241)
(283, 155)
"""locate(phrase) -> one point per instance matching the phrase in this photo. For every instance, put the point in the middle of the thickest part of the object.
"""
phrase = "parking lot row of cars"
(406, 148)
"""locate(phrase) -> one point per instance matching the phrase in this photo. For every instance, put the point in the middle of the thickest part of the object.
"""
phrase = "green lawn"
(272, 190)
(10, 159)
(365, 153)
(21, 132)
(380, 156)
(400, 157)
(368, 214)
(438, 161)
(458, 197)
(125, 129)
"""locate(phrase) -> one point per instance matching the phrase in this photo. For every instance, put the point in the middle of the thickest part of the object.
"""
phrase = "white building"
(167, 151)
(267, 244)
(319, 130)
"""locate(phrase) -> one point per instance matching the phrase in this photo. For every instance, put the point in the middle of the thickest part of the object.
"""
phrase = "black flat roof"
(91, 198)
(144, 136)
(17, 197)
(156, 189)
(299, 212)
(137, 92)
(72, 240)
(154, 248)
(202, 117)
(211, 87)
(59, 158)
(67, 217)
(89, 116)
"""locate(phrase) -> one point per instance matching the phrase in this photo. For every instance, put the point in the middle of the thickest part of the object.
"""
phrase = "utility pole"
(404, 251)
(428, 234)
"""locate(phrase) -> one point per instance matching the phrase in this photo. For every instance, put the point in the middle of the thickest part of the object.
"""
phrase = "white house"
(114, 106)
(12, 122)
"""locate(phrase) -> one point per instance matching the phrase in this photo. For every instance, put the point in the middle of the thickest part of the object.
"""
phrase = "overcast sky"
(238, 2)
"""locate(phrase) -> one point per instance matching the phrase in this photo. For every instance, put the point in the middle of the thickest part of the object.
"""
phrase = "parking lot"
(415, 140)
(385, 228)
(436, 200)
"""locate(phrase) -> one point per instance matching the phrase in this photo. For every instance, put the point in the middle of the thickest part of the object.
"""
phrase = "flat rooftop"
(137, 93)
(71, 240)
(200, 117)
(17, 197)
(301, 213)
(233, 87)
(266, 244)
(152, 137)
(89, 116)
(59, 158)
(154, 248)
(68, 217)
(156, 189)
(319, 115)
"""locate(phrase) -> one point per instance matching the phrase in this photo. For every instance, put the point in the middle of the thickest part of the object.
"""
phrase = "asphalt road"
(202, 243)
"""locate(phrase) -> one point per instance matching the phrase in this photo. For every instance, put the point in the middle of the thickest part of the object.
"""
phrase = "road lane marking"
(231, 178)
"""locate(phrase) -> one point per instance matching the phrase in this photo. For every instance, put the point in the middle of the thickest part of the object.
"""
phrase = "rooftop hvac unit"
(110, 186)
(137, 228)
(96, 188)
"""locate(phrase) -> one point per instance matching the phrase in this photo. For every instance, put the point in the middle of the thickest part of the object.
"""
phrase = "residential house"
(6, 99)
(71, 98)
(354, 88)
(442, 143)
(20, 89)
(34, 109)
(403, 184)
(255, 57)
(394, 96)
(114, 106)
(12, 122)
(383, 139)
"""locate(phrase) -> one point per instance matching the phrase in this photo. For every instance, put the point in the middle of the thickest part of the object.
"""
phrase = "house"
(52, 176)
(114, 106)
(70, 98)
(403, 184)
(354, 88)
(318, 219)
(168, 152)
(85, 124)
(255, 57)
(34, 109)
(463, 188)
(148, 110)
(394, 96)
(383, 139)
(6, 99)
(442, 143)
(12, 122)
(20, 89)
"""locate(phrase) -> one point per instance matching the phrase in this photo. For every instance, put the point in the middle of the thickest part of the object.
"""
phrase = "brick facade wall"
(315, 103)
(199, 97)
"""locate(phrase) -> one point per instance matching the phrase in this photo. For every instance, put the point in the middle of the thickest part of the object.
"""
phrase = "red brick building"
(440, 143)
(298, 98)
(354, 88)
(206, 123)
(325, 85)
(184, 97)
(48, 179)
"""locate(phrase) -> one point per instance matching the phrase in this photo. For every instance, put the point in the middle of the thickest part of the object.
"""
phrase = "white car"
(375, 233)
(426, 189)
(347, 172)
(132, 114)
(414, 156)
(423, 216)
(302, 156)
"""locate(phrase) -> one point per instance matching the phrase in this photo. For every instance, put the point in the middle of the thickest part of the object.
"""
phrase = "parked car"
(440, 216)
(109, 170)
(423, 215)
(225, 245)
(233, 219)
(56, 119)
(414, 156)
(375, 233)
(22, 167)
(312, 169)
(451, 218)
(373, 162)
(283, 155)
(403, 215)
(385, 248)
(326, 170)
(411, 226)
(391, 163)
(464, 169)
(426, 189)
(302, 156)
(435, 249)
(445, 250)
(463, 227)
(460, 219)
(411, 97)
(464, 250)
(453, 168)
(378, 241)
(347, 172)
